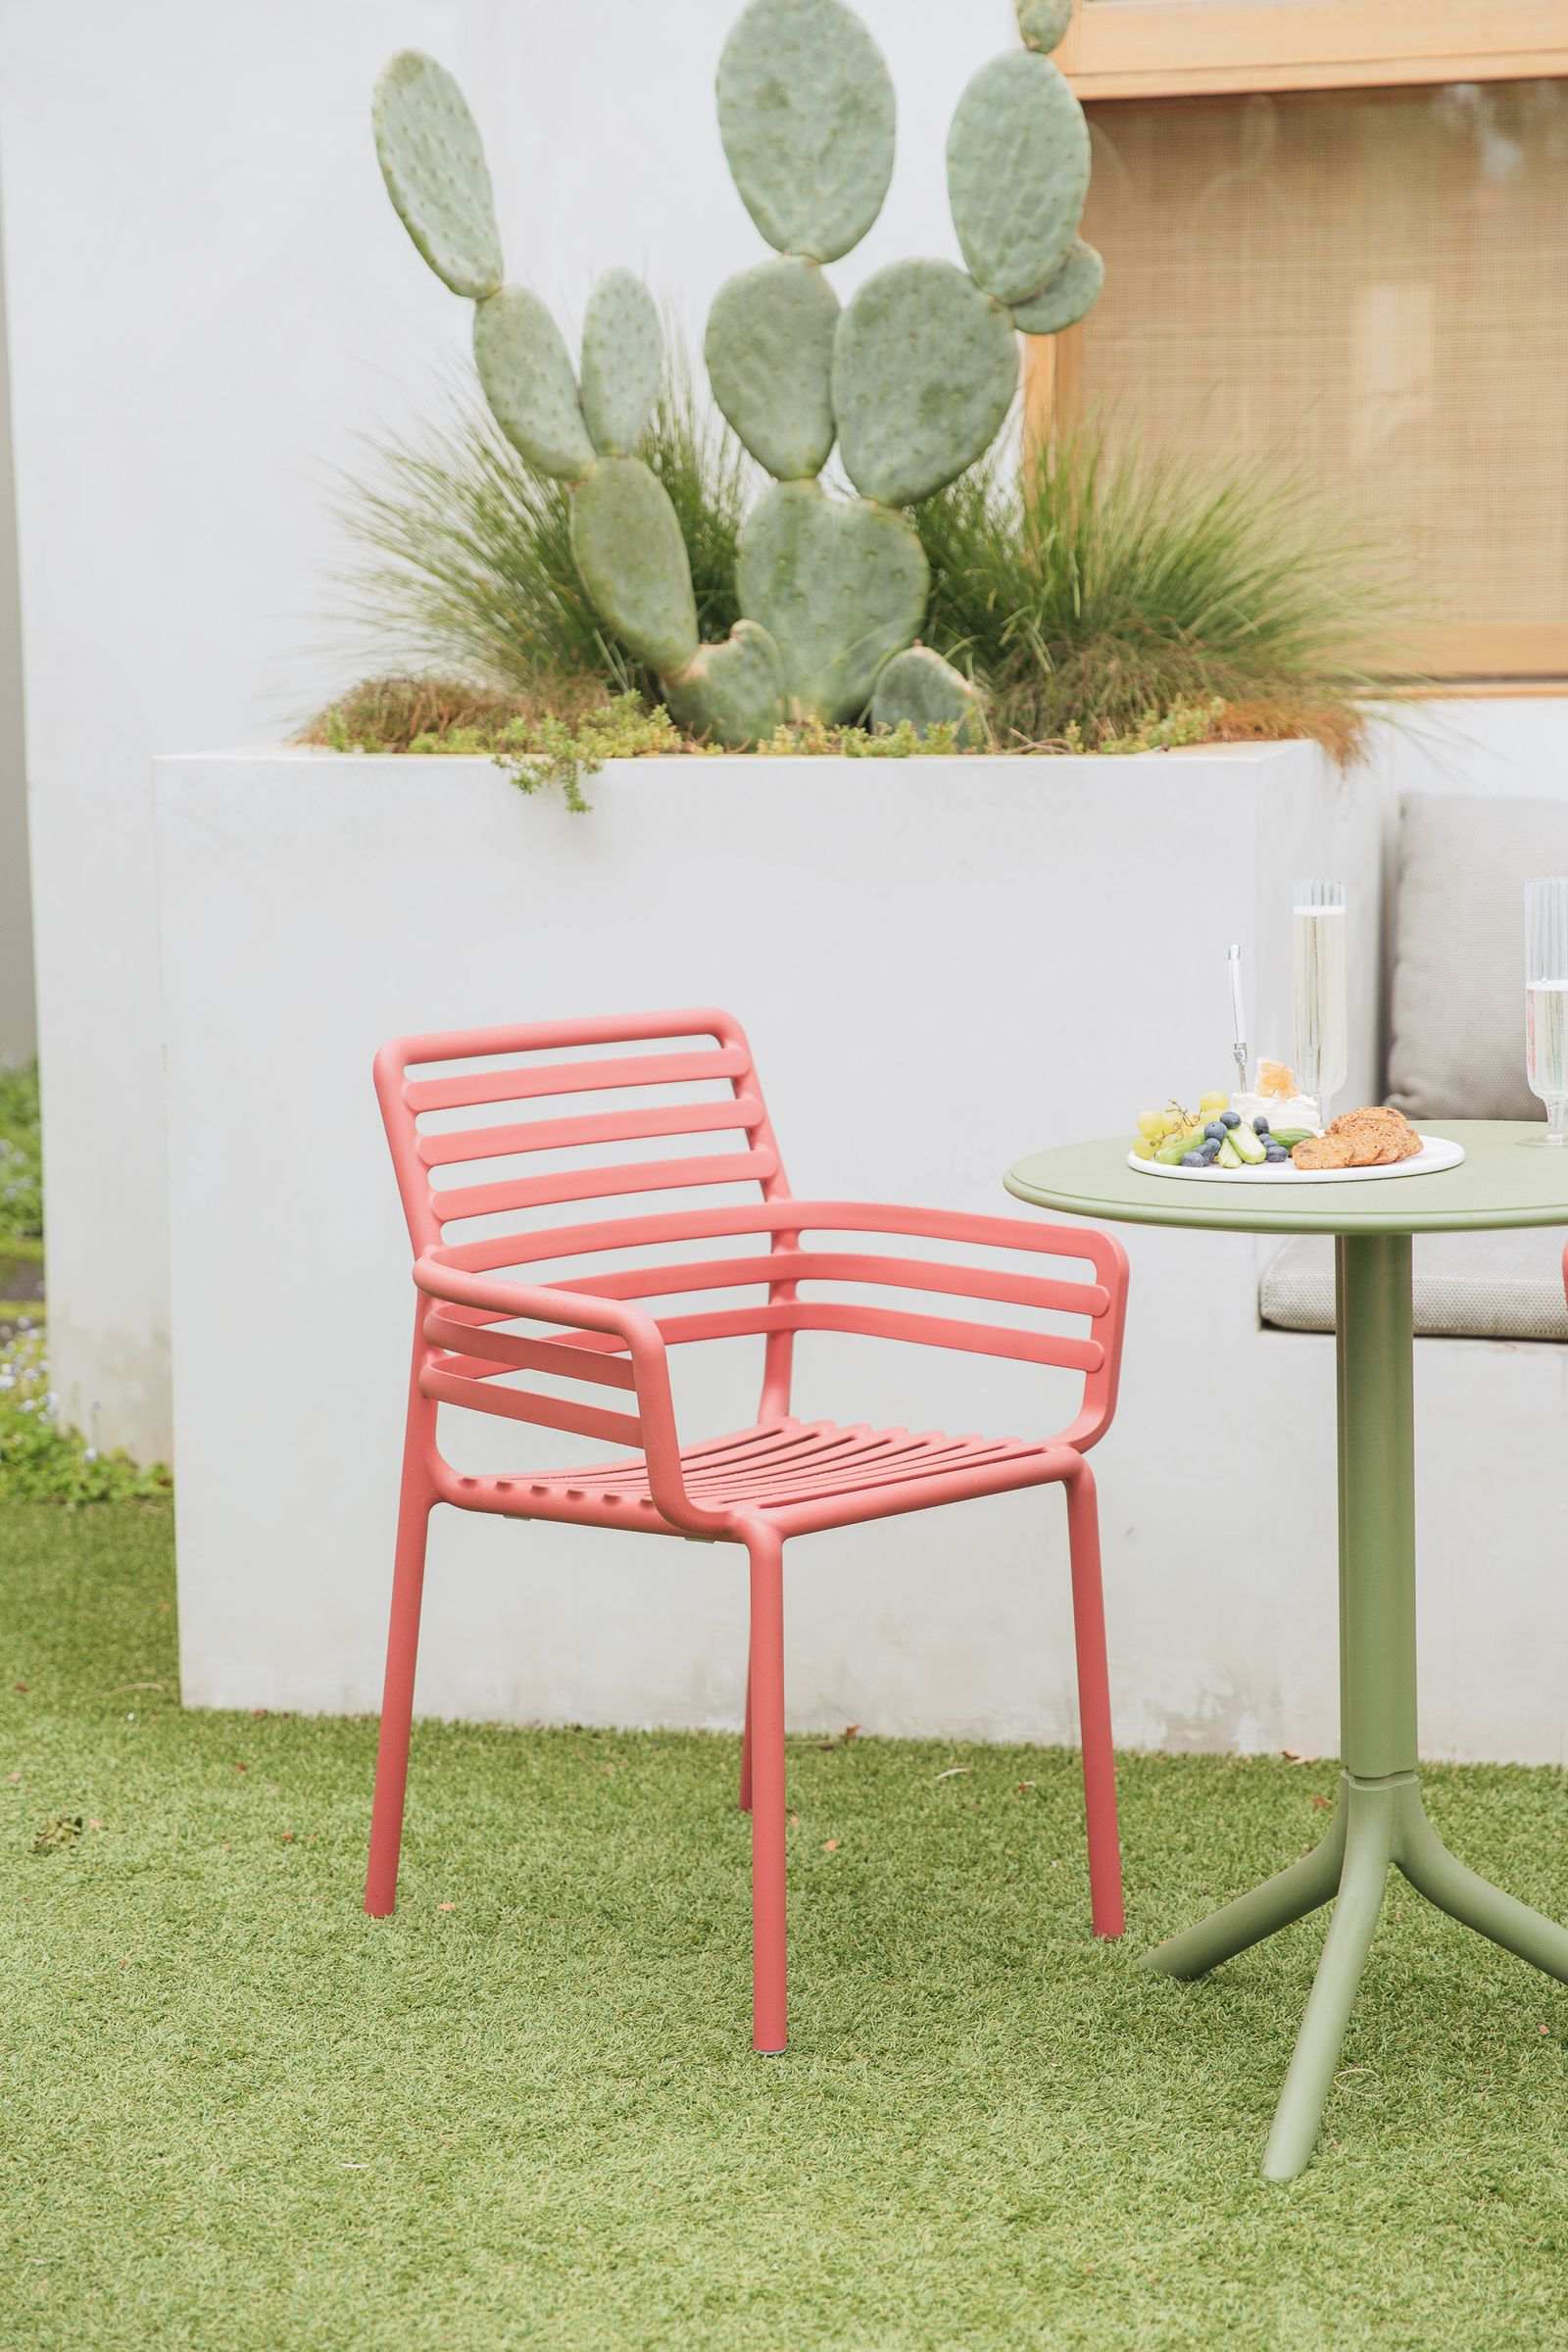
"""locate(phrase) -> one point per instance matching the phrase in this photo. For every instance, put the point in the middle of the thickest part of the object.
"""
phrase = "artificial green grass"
(235, 2114)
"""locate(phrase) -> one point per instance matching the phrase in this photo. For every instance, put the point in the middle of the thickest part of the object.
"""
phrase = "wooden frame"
(1195, 48)
(1126, 49)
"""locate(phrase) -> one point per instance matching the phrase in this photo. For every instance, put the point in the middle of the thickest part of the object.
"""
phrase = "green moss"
(41, 1458)
(20, 1162)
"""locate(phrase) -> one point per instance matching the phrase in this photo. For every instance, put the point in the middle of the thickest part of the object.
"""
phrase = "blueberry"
(1214, 1132)
(1229, 1118)
(1208, 1152)
(1277, 1153)
(1260, 1126)
(1194, 1159)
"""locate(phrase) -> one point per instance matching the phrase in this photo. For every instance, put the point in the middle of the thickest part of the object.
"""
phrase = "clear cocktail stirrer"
(1233, 958)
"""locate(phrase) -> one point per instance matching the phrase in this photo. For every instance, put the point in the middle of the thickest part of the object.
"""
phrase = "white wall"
(18, 1017)
(209, 299)
(931, 960)
(1508, 748)
(942, 965)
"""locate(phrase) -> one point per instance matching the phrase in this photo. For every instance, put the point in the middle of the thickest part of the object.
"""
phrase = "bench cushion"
(1468, 1286)
(1457, 1045)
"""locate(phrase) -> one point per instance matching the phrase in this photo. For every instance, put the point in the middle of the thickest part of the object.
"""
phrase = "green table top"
(1509, 1176)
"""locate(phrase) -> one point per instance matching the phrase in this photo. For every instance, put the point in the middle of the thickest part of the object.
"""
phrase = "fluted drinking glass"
(1547, 1001)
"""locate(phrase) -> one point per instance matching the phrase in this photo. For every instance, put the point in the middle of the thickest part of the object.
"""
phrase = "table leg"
(1380, 1819)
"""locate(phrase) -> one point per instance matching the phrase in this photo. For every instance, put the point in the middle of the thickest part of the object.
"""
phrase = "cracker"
(1323, 1151)
(1378, 1137)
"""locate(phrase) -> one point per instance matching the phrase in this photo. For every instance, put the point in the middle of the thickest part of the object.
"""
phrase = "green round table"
(1509, 1176)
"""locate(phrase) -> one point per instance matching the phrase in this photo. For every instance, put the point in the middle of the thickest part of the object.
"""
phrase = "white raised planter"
(941, 965)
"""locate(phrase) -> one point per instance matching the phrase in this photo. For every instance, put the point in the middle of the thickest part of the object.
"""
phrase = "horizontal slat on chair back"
(435, 1146)
(564, 1078)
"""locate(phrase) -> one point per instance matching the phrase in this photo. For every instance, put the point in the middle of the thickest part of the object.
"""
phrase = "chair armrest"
(635, 1332)
(1102, 1299)
(1101, 1249)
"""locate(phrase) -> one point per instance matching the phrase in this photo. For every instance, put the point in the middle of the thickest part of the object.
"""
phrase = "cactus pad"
(914, 380)
(1065, 297)
(838, 584)
(806, 113)
(734, 691)
(919, 687)
(1043, 24)
(924, 370)
(433, 164)
(528, 379)
(770, 353)
(622, 357)
(633, 561)
(1017, 174)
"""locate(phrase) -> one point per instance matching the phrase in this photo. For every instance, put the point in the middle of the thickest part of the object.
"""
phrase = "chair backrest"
(431, 1087)
(706, 1089)
(488, 1070)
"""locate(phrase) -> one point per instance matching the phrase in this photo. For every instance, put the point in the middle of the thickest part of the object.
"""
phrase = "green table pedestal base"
(1378, 1824)
(1380, 1821)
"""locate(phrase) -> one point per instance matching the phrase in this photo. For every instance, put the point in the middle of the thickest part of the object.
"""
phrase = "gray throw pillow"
(1456, 1044)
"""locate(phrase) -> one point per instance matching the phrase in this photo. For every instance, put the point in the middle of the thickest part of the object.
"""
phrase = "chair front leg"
(765, 1709)
(1094, 1706)
(397, 1700)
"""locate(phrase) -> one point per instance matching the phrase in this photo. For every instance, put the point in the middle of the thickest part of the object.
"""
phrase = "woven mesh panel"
(1371, 282)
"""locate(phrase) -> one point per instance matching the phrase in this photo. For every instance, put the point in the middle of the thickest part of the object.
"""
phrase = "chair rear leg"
(1093, 1707)
(765, 1681)
(745, 1749)
(397, 1700)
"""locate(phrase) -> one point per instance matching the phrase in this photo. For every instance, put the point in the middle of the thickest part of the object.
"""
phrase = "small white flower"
(90, 1454)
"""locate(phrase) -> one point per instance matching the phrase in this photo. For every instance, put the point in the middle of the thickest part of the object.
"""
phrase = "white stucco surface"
(941, 965)
(210, 299)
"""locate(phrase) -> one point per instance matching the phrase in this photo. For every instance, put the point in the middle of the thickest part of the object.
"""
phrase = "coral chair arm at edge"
(486, 1300)
(1103, 1298)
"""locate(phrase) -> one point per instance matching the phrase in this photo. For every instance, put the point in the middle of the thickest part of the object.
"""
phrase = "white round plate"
(1436, 1152)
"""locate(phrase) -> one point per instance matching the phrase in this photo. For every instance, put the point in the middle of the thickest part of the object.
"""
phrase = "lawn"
(240, 2116)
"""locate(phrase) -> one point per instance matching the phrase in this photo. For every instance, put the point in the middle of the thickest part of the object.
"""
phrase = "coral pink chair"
(776, 1478)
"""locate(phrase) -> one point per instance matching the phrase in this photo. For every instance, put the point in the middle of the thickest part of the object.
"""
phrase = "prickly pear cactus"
(913, 380)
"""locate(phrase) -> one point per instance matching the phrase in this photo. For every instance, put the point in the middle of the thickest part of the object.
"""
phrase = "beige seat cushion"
(1457, 1018)
(1468, 1286)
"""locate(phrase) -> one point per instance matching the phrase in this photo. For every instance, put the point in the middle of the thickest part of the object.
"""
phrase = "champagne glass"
(1322, 1009)
(1547, 1001)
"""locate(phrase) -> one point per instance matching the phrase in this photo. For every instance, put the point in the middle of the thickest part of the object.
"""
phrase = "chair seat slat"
(601, 1184)
(523, 1085)
(741, 1111)
(522, 1404)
